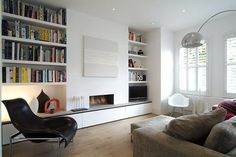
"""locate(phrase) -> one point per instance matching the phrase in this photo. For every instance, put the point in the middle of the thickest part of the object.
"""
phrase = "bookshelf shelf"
(33, 41)
(137, 82)
(31, 83)
(138, 69)
(137, 56)
(10, 16)
(137, 43)
(8, 61)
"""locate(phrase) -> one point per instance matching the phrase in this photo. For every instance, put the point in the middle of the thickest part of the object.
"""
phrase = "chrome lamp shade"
(195, 39)
(192, 40)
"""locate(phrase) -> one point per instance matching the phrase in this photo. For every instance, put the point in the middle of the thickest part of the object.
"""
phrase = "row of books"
(25, 31)
(135, 76)
(18, 51)
(39, 12)
(30, 75)
(135, 37)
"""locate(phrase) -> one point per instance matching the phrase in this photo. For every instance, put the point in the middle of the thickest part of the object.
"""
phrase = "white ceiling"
(141, 14)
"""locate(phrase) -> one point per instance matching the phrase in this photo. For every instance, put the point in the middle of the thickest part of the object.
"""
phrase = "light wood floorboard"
(106, 140)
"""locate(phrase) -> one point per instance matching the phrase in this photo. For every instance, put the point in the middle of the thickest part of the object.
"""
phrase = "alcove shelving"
(137, 57)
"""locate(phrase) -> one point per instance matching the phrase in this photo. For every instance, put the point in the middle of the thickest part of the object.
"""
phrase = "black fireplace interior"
(101, 99)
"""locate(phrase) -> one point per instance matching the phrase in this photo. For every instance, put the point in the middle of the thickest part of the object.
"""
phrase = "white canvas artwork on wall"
(100, 57)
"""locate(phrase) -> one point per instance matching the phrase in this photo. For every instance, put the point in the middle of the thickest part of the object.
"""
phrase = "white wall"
(167, 67)
(160, 68)
(214, 32)
(79, 25)
(153, 39)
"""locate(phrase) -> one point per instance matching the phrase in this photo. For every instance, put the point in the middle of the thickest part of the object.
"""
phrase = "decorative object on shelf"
(42, 99)
(51, 106)
(140, 52)
(144, 77)
(132, 52)
(195, 39)
(140, 78)
(131, 63)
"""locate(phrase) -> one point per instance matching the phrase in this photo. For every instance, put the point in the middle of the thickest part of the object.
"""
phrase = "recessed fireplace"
(101, 99)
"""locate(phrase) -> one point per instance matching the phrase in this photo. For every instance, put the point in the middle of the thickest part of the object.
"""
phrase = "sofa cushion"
(158, 121)
(195, 128)
(222, 137)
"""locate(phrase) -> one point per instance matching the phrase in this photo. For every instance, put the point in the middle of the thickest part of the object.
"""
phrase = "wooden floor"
(107, 140)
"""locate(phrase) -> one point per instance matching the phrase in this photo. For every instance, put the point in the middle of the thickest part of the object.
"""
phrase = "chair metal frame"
(16, 138)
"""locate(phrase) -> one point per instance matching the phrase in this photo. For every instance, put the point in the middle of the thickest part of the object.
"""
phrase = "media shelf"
(137, 82)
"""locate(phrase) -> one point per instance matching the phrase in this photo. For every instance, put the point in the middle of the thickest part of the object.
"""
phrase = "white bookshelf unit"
(137, 57)
(33, 44)
(34, 51)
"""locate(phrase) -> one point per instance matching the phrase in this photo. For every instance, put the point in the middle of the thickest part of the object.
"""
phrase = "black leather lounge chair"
(36, 129)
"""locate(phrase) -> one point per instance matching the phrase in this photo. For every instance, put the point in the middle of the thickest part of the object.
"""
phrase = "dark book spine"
(26, 11)
(64, 16)
(30, 11)
(10, 6)
(4, 73)
(6, 4)
(8, 50)
(30, 57)
(5, 27)
(45, 14)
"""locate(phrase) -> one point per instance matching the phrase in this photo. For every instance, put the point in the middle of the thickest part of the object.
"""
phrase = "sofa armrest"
(149, 142)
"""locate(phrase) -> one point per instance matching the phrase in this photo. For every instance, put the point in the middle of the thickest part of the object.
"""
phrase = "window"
(193, 69)
(231, 65)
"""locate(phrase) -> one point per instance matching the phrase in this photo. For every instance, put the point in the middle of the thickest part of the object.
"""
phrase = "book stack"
(18, 51)
(39, 12)
(25, 31)
(55, 55)
(135, 37)
(30, 75)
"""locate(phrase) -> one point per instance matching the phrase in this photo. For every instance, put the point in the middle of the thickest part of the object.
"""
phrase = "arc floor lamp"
(195, 39)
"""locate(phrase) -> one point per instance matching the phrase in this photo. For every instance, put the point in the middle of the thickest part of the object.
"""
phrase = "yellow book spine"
(14, 74)
(22, 75)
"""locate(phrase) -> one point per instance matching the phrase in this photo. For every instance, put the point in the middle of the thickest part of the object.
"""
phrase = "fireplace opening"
(101, 99)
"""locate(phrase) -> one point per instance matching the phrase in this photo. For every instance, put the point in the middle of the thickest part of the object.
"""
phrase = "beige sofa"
(151, 141)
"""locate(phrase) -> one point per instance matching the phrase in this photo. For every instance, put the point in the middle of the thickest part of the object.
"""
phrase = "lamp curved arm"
(214, 16)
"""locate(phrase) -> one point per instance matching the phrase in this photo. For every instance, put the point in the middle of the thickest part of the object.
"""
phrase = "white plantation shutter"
(193, 69)
(231, 64)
